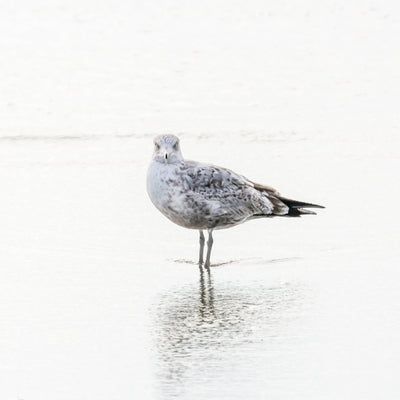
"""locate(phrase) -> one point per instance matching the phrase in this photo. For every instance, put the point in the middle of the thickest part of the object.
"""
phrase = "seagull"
(207, 197)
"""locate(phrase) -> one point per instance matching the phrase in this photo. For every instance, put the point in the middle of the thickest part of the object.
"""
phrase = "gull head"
(167, 149)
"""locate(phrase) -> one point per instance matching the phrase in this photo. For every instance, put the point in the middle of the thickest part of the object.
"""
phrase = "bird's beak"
(166, 157)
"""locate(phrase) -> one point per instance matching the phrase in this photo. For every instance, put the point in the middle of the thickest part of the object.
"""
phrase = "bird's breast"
(163, 186)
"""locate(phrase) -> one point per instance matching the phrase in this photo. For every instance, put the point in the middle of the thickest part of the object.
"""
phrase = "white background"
(98, 298)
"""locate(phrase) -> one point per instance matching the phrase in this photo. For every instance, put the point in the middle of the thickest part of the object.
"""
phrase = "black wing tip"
(311, 205)
(299, 204)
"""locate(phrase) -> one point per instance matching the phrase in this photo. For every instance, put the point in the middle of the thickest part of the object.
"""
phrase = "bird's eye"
(157, 146)
(175, 146)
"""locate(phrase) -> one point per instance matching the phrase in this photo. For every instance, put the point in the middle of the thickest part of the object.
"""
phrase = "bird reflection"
(206, 307)
(213, 326)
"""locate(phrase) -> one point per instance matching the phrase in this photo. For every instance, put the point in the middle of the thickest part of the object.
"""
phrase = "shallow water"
(100, 295)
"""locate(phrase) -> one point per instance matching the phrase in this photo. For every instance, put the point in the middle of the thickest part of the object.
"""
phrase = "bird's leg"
(210, 242)
(202, 240)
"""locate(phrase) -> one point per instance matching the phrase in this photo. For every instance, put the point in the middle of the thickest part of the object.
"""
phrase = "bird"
(207, 197)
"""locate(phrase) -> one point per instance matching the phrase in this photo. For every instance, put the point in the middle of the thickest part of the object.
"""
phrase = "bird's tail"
(281, 204)
(297, 208)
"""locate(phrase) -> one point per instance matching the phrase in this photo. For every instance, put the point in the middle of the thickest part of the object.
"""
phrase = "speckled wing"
(213, 179)
(227, 196)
